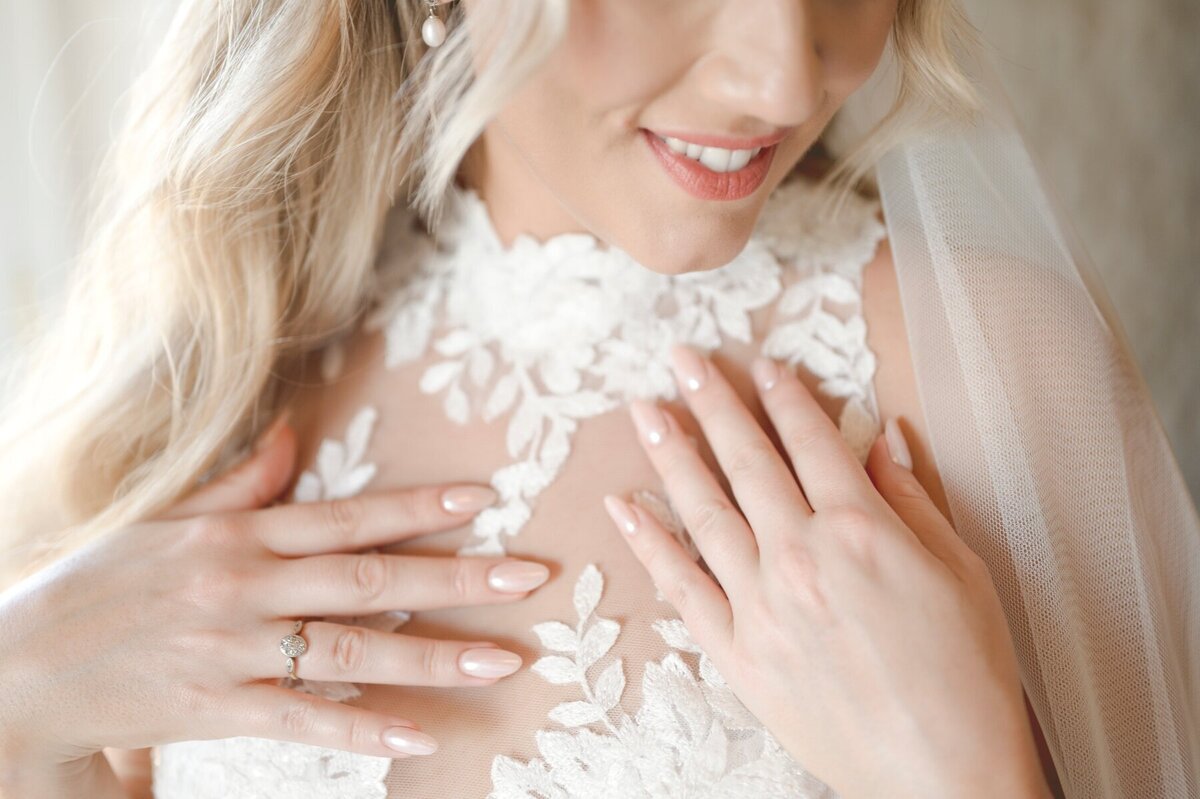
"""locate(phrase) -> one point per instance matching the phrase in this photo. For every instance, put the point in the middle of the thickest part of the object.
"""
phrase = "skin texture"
(849, 577)
(566, 155)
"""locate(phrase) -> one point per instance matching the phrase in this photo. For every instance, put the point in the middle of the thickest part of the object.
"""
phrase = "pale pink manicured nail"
(897, 446)
(649, 420)
(765, 372)
(488, 662)
(621, 513)
(514, 576)
(409, 741)
(467, 498)
(689, 366)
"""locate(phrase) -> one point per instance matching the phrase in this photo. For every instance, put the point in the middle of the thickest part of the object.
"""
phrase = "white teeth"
(718, 159)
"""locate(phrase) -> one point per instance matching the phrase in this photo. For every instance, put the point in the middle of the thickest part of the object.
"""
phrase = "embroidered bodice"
(477, 362)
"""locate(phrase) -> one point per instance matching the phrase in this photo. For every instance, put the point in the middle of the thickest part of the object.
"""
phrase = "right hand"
(169, 630)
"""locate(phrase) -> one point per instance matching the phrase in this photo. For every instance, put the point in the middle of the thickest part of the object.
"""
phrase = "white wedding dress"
(480, 363)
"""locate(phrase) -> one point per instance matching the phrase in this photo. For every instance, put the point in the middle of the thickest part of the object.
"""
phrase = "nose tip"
(769, 66)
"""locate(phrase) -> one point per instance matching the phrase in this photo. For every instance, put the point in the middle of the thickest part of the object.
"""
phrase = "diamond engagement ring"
(293, 646)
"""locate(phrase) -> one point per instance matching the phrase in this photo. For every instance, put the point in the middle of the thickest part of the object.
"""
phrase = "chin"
(713, 253)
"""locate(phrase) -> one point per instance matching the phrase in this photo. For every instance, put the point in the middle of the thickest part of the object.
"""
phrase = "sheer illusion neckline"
(539, 337)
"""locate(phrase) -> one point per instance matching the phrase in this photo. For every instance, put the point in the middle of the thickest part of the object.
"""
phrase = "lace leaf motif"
(691, 737)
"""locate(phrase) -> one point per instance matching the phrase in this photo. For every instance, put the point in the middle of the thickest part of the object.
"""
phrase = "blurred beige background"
(1109, 93)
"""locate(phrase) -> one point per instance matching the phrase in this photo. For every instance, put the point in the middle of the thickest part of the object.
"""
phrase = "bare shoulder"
(895, 382)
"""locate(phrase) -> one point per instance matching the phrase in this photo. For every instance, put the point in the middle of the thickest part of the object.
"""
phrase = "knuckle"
(676, 458)
(750, 458)
(412, 504)
(436, 668)
(195, 700)
(212, 586)
(216, 530)
(299, 717)
(343, 518)
(350, 650)
(708, 517)
(462, 579)
(362, 734)
(370, 577)
(857, 530)
(797, 567)
(848, 519)
(680, 595)
(803, 434)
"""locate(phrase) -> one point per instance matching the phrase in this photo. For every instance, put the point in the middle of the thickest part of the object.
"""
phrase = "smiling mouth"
(711, 173)
(717, 159)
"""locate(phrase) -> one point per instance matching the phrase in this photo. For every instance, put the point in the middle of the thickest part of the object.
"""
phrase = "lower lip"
(700, 181)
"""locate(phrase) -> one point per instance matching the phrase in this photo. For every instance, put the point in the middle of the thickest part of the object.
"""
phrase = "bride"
(601, 447)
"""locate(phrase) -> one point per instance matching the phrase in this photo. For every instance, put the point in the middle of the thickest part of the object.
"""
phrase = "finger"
(889, 467)
(828, 471)
(366, 520)
(701, 604)
(371, 582)
(721, 534)
(347, 653)
(267, 710)
(766, 491)
(253, 483)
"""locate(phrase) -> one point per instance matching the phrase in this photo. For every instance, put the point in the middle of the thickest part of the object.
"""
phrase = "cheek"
(854, 43)
(585, 96)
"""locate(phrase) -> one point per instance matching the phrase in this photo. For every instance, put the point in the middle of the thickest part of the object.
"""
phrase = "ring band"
(293, 646)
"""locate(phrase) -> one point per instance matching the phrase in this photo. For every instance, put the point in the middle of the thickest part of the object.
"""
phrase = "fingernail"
(488, 662)
(515, 576)
(897, 446)
(268, 436)
(649, 420)
(765, 372)
(409, 741)
(621, 513)
(689, 366)
(468, 498)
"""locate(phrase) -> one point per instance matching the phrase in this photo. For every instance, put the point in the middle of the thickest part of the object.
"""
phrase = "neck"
(516, 200)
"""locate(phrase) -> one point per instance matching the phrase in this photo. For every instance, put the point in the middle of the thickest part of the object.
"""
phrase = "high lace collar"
(793, 227)
(559, 330)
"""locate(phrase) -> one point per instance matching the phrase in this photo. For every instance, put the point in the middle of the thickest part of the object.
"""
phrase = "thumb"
(889, 465)
(252, 483)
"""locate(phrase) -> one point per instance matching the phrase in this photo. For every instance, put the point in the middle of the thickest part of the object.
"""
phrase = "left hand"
(850, 619)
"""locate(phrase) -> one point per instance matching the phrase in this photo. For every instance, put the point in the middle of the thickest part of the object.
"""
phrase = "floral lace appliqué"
(554, 332)
(691, 737)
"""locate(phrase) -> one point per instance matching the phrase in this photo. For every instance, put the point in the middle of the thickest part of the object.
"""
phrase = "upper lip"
(723, 141)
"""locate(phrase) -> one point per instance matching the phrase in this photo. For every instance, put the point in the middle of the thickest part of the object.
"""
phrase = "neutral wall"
(1109, 93)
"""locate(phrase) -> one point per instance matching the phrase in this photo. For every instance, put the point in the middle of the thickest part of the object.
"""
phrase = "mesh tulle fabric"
(1054, 461)
(388, 417)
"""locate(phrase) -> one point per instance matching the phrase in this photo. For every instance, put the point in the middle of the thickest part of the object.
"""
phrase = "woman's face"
(576, 149)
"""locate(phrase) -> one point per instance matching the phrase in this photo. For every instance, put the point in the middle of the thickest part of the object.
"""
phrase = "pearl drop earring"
(433, 31)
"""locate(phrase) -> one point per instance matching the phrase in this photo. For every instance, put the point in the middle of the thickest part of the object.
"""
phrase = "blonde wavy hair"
(240, 210)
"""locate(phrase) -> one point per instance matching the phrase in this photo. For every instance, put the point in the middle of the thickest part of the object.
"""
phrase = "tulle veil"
(1054, 460)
